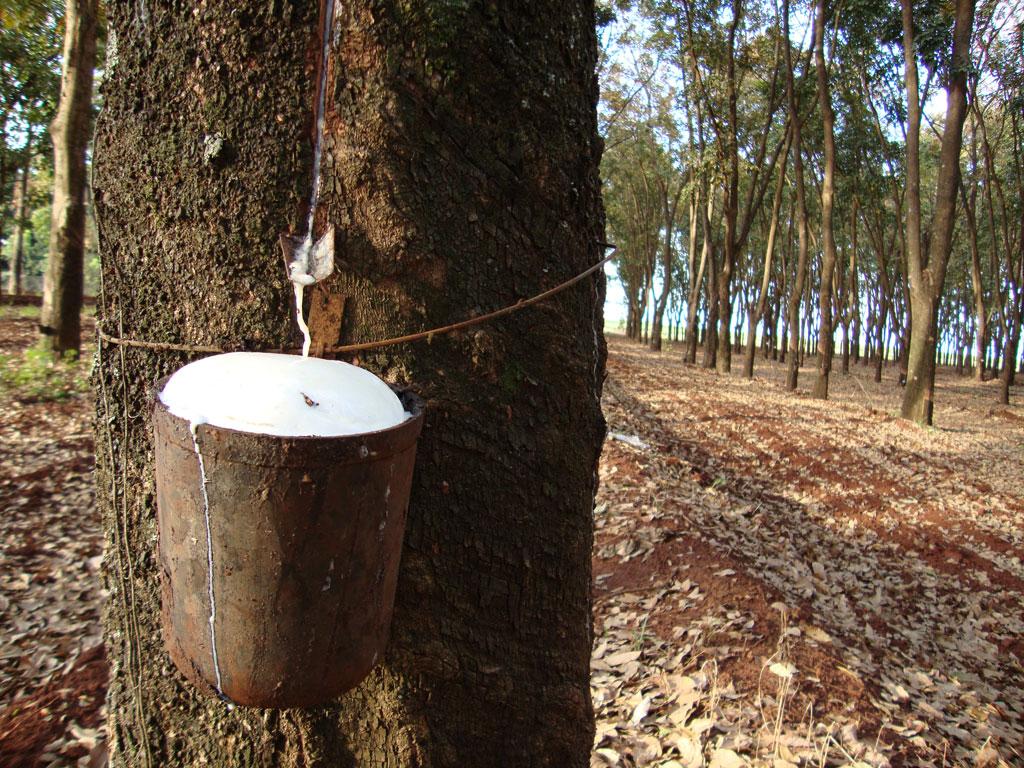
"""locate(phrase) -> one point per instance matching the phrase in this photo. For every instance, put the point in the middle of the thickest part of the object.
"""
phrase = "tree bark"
(3, 187)
(438, 177)
(60, 321)
(695, 277)
(851, 305)
(757, 310)
(670, 205)
(977, 286)
(17, 265)
(796, 294)
(1008, 375)
(711, 315)
(928, 275)
(828, 185)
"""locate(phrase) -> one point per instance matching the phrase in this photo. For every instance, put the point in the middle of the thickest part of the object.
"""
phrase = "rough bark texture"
(63, 283)
(460, 171)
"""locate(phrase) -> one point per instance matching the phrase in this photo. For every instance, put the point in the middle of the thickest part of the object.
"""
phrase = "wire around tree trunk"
(365, 345)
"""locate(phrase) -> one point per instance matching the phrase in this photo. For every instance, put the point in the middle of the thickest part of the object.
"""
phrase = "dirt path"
(881, 560)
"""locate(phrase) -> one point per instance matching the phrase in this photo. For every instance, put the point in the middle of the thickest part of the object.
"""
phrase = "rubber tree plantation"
(848, 182)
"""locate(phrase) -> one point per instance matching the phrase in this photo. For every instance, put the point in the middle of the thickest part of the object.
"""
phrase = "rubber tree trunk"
(927, 279)
(438, 177)
(711, 320)
(17, 265)
(852, 298)
(796, 294)
(978, 294)
(855, 302)
(696, 278)
(756, 313)
(632, 317)
(3, 188)
(730, 200)
(1009, 372)
(828, 187)
(60, 319)
(723, 356)
(670, 204)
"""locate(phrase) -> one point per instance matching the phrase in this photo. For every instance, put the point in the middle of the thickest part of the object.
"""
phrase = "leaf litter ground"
(778, 581)
(782, 581)
(53, 674)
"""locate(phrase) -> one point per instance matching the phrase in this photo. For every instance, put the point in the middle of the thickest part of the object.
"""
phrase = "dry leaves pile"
(52, 669)
(879, 562)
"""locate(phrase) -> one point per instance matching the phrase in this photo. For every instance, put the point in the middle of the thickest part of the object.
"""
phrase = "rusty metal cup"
(306, 535)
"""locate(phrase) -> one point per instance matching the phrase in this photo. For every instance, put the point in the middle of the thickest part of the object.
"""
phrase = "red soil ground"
(778, 581)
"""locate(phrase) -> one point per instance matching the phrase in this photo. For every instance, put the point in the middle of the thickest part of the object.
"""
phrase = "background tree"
(828, 187)
(71, 129)
(927, 261)
(847, 187)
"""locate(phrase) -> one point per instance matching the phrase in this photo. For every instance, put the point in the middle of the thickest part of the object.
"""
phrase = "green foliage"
(31, 35)
(37, 376)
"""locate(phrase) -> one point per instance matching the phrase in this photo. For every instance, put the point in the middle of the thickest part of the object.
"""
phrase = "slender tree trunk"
(730, 208)
(630, 317)
(851, 312)
(757, 310)
(3, 186)
(828, 241)
(796, 295)
(490, 643)
(711, 332)
(641, 318)
(669, 209)
(901, 350)
(1008, 374)
(779, 338)
(723, 357)
(980, 312)
(927, 278)
(60, 322)
(696, 278)
(978, 289)
(17, 265)
(855, 347)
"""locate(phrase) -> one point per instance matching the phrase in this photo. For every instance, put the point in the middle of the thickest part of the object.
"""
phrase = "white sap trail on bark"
(193, 428)
(306, 338)
(299, 269)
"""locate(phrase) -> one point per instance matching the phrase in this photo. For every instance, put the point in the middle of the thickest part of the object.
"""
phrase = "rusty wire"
(365, 345)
